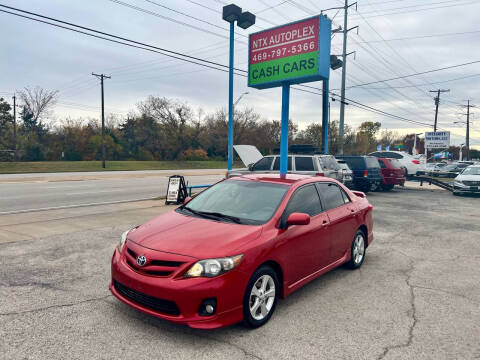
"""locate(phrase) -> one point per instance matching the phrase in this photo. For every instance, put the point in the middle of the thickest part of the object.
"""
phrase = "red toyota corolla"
(228, 254)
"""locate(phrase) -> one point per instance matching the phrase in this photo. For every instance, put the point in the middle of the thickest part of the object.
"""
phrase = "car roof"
(288, 179)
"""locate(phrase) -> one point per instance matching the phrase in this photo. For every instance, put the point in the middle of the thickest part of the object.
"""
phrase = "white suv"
(413, 164)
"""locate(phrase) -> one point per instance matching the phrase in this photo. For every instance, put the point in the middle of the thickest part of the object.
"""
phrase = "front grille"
(471, 183)
(153, 303)
(147, 269)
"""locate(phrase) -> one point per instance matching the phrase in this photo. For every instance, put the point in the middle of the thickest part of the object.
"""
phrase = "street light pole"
(232, 13)
(230, 99)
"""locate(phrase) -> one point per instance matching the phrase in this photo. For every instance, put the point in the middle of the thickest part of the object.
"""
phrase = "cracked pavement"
(417, 295)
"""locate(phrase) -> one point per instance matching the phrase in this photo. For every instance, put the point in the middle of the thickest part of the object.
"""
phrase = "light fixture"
(231, 13)
(246, 20)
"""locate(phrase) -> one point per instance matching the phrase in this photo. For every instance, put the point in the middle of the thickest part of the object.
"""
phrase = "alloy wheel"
(262, 297)
(358, 249)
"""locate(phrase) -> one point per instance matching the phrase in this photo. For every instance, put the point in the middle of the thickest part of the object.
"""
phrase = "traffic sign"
(295, 53)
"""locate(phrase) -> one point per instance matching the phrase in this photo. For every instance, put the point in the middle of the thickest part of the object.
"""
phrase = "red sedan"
(392, 173)
(231, 252)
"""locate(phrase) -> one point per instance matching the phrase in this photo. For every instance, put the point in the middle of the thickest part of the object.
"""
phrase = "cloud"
(37, 54)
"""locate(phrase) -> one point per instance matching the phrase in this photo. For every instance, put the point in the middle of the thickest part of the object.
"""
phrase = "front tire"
(260, 298)
(357, 250)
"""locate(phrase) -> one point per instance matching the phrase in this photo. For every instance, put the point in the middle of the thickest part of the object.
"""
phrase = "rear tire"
(387, 187)
(260, 298)
(357, 250)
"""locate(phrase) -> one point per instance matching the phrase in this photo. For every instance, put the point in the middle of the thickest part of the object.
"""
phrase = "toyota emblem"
(141, 260)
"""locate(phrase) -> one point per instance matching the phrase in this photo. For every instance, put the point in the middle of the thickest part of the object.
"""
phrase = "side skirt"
(298, 284)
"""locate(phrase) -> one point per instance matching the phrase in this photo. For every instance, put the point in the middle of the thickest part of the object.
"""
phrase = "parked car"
(392, 173)
(231, 252)
(347, 173)
(468, 181)
(366, 172)
(304, 164)
(413, 165)
(450, 170)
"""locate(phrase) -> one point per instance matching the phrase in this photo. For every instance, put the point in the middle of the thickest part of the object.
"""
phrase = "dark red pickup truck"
(392, 173)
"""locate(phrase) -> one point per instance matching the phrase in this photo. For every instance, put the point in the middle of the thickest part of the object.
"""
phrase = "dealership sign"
(437, 140)
(295, 53)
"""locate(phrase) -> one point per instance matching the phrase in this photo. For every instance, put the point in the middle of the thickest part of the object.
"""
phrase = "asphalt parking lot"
(417, 295)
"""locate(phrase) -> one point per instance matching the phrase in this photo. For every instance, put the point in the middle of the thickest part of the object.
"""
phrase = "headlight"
(213, 267)
(122, 240)
(459, 182)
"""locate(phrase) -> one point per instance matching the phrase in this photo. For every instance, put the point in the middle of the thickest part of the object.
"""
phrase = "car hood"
(249, 154)
(192, 236)
(468, 177)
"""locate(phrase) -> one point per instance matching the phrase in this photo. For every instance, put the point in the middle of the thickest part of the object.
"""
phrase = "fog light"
(208, 307)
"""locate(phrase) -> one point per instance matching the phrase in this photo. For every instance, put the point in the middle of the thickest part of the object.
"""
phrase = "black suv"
(366, 172)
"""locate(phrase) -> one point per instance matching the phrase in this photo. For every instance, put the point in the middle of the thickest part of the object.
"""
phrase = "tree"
(6, 130)
(38, 101)
(366, 136)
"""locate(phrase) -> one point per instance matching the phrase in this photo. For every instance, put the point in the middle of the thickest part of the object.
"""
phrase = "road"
(38, 191)
(415, 297)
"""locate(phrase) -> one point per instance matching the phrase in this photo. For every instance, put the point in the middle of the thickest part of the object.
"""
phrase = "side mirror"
(187, 200)
(298, 219)
(250, 167)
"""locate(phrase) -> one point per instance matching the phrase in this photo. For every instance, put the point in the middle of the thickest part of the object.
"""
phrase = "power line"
(144, 46)
(153, 13)
(416, 74)
(190, 16)
(424, 84)
(422, 36)
(426, 9)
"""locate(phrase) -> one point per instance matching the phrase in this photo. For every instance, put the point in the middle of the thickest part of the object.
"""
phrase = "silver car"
(468, 181)
(347, 173)
(315, 165)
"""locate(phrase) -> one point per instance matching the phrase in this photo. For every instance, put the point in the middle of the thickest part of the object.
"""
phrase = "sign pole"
(284, 129)
(230, 101)
(325, 114)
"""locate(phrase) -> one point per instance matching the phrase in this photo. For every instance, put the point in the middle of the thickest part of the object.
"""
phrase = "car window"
(346, 199)
(304, 163)
(376, 153)
(355, 162)
(395, 163)
(331, 194)
(471, 171)
(332, 163)
(394, 155)
(276, 164)
(263, 164)
(372, 162)
(382, 164)
(304, 200)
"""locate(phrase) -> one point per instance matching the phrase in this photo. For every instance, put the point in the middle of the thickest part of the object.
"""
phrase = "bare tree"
(38, 101)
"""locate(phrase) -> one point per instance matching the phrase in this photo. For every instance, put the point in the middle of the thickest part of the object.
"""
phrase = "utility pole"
(344, 73)
(437, 102)
(467, 140)
(14, 128)
(101, 77)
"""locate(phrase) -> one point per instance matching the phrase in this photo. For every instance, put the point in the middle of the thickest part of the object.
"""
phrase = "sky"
(396, 38)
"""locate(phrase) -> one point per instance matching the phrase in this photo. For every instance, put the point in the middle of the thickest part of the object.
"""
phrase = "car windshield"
(471, 171)
(450, 167)
(246, 202)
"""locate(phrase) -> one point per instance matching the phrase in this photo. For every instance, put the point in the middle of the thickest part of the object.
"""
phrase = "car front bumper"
(186, 294)
(458, 187)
